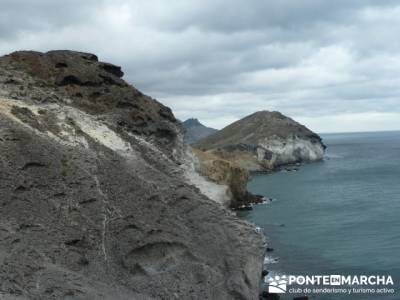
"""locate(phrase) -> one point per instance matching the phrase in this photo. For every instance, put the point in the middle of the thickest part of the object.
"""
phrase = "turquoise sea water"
(339, 216)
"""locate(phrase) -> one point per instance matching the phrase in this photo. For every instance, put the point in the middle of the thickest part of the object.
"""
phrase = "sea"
(340, 216)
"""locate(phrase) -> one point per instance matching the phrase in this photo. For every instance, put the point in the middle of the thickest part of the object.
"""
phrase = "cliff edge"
(95, 200)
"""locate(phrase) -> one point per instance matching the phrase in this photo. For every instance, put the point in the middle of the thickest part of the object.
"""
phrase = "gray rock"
(94, 204)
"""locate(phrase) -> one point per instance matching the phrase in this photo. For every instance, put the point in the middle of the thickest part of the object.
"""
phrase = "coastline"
(269, 258)
(234, 170)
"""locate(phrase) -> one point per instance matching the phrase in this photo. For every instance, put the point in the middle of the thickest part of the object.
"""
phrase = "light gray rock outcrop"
(279, 151)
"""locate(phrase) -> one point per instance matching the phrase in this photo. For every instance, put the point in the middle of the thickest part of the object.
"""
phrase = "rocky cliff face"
(222, 169)
(277, 151)
(195, 131)
(274, 139)
(96, 201)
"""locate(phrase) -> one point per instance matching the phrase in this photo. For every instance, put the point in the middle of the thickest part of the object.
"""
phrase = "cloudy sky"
(332, 65)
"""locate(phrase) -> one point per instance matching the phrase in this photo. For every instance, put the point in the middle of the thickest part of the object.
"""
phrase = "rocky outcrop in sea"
(97, 193)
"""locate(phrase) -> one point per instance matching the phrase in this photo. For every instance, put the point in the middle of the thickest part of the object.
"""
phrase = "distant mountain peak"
(195, 131)
(192, 122)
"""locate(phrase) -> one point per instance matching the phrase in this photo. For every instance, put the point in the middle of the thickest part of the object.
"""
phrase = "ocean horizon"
(354, 132)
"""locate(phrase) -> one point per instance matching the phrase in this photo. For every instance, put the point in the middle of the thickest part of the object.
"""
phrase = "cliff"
(97, 196)
(195, 131)
(262, 141)
(221, 168)
(272, 138)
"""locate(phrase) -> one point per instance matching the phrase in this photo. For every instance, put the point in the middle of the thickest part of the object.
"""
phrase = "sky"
(332, 65)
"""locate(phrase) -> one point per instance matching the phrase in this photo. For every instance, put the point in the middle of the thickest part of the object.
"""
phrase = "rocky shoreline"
(218, 175)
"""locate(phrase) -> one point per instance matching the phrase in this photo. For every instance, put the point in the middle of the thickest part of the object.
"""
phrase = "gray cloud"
(17, 16)
(322, 62)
